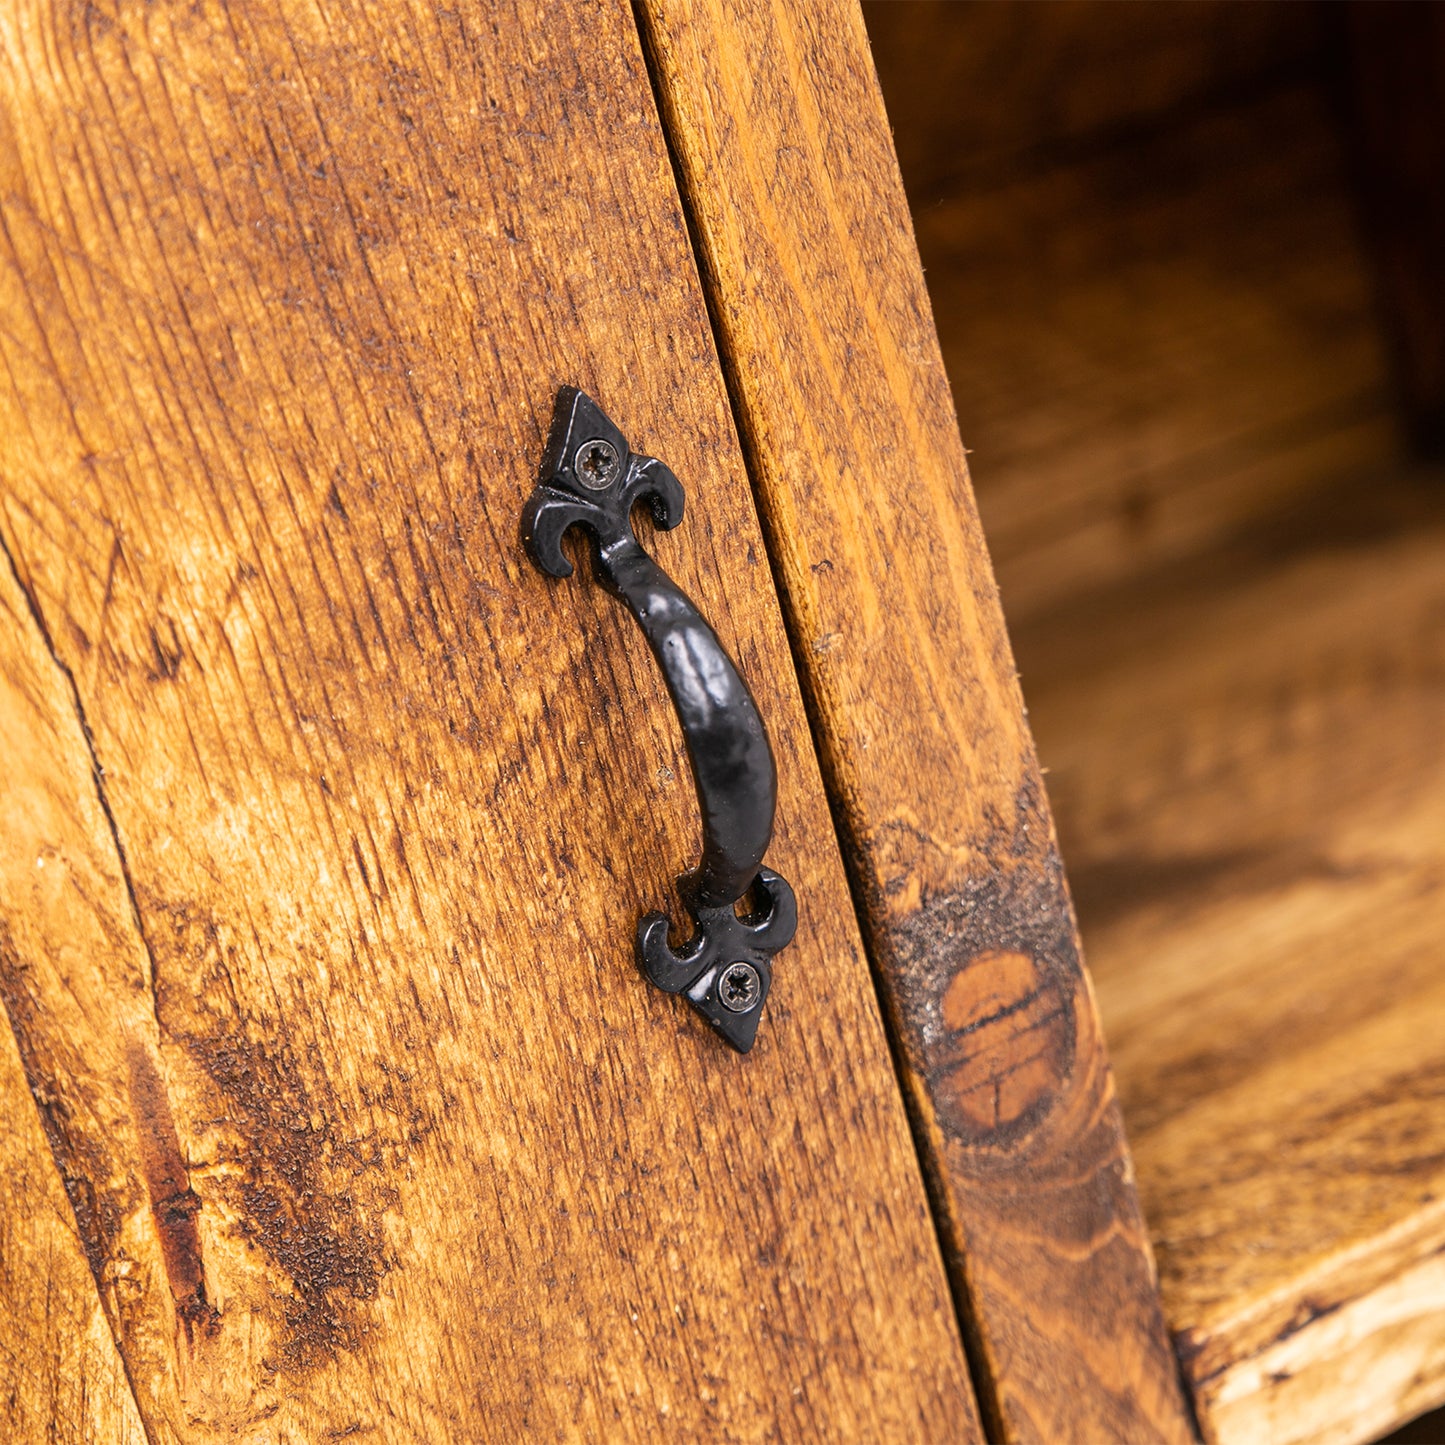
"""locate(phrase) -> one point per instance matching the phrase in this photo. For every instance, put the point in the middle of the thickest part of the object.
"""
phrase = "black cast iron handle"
(589, 476)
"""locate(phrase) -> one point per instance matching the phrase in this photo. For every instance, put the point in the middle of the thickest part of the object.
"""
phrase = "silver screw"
(596, 464)
(739, 988)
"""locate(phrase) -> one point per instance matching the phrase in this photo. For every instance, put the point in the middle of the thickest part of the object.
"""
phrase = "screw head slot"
(596, 464)
(739, 988)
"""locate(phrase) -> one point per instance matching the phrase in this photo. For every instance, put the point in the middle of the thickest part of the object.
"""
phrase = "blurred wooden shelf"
(1247, 759)
(1225, 584)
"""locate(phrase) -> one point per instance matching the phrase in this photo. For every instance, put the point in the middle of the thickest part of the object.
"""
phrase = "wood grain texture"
(326, 989)
(61, 1377)
(1249, 779)
(826, 329)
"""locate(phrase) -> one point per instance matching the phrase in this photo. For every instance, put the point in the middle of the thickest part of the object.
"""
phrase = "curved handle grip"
(589, 476)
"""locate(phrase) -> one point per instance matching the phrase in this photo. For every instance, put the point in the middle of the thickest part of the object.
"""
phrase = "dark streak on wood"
(325, 1239)
(174, 1204)
(97, 1215)
(1392, 59)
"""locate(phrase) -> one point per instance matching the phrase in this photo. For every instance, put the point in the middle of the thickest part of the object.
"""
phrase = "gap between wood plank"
(983, 1387)
(40, 625)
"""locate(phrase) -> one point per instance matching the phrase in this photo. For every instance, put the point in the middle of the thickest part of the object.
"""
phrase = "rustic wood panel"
(826, 329)
(1246, 761)
(370, 1126)
(61, 1377)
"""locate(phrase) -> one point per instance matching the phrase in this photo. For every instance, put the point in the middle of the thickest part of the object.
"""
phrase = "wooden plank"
(376, 1130)
(1223, 599)
(826, 329)
(77, 987)
(1246, 761)
(61, 1377)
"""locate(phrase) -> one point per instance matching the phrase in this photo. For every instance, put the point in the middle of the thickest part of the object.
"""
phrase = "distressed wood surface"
(325, 990)
(826, 329)
(1246, 761)
(61, 1377)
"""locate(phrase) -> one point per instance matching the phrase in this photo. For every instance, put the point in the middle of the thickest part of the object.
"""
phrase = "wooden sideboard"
(340, 1109)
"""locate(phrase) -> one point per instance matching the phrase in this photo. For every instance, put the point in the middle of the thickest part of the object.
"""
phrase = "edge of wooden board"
(786, 163)
(1305, 1366)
